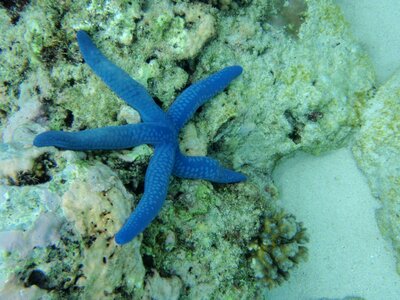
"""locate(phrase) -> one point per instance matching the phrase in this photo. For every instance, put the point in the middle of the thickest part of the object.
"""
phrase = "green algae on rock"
(202, 236)
(377, 151)
(68, 236)
(295, 94)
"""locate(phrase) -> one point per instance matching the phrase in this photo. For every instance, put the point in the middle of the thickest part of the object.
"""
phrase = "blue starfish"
(159, 129)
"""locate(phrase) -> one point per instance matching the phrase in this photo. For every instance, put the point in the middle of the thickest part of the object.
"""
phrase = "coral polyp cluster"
(279, 248)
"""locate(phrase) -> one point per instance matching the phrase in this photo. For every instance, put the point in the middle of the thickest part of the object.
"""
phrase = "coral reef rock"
(377, 151)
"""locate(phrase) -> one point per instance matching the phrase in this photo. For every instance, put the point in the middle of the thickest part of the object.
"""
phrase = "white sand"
(347, 255)
(376, 24)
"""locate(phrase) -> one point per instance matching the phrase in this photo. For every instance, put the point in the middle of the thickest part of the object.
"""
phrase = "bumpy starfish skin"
(159, 129)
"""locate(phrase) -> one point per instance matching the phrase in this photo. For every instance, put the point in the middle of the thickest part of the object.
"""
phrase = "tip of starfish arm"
(121, 239)
(238, 177)
(237, 69)
(45, 139)
(229, 176)
(127, 233)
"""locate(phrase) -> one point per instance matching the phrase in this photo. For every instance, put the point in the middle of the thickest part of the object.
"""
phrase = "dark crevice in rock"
(297, 127)
(39, 278)
(69, 118)
(39, 174)
(14, 8)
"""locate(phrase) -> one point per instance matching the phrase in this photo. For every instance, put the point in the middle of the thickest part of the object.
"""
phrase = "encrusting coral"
(279, 248)
(377, 151)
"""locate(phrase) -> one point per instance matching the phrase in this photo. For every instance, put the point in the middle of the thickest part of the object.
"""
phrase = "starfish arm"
(155, 192)
(106, 138)
(197, 94)
(200, 167)
(119, 81)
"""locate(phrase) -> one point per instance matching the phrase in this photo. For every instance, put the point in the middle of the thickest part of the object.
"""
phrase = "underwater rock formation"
(58, 236)
(377, 151)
